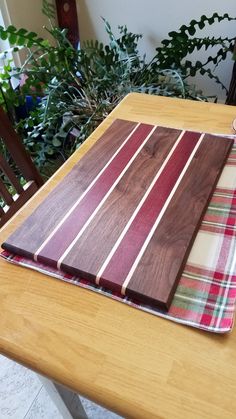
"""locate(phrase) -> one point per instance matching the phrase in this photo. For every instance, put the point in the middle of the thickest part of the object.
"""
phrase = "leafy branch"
(21, 37)
(78, 88)
(48, 9)
(173, 51)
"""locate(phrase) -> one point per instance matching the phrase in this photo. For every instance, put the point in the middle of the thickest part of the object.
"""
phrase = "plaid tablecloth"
(206, 294)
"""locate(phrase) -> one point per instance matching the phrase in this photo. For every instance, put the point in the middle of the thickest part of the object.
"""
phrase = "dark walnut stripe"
(28, 238)
(167, 253)
(119, 207)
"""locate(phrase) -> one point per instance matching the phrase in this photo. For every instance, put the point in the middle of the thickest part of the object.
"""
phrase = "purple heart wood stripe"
(127, 214)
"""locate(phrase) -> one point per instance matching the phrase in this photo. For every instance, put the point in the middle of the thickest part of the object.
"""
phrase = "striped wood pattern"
(129, 225)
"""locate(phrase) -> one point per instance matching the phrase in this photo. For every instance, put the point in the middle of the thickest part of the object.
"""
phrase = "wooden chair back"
(13, 194)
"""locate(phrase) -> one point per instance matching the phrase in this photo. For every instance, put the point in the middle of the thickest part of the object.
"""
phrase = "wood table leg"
(67, 402)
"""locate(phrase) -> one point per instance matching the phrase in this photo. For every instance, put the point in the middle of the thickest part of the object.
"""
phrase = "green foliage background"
(78, 88)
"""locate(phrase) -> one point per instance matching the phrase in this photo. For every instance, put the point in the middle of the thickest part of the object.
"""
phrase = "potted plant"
(78, 88)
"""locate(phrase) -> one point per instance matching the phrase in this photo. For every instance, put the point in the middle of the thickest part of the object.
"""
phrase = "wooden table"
(136, 364)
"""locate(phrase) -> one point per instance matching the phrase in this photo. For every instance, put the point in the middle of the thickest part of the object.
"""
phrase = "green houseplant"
(80, 87)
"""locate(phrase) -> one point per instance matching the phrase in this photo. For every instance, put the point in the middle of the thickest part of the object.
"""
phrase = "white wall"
(154, 19)
(25, 14)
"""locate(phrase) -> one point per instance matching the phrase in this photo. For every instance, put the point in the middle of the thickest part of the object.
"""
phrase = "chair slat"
(26, 168)
(2, 213)
(6, 196)
(17, 150)
(4, 166)
(29, 190)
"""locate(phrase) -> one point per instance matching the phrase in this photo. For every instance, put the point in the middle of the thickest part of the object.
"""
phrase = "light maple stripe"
(152, 231)
(84, 193)
(113, 250)
(60, 261)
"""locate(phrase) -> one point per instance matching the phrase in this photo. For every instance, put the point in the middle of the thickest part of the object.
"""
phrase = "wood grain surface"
(135, 364)
(130, 229)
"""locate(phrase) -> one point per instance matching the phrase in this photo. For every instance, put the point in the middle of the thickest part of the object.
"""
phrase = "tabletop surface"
(134, 363)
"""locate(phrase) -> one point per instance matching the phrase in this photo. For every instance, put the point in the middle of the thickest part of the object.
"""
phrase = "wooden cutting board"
(126, 216)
